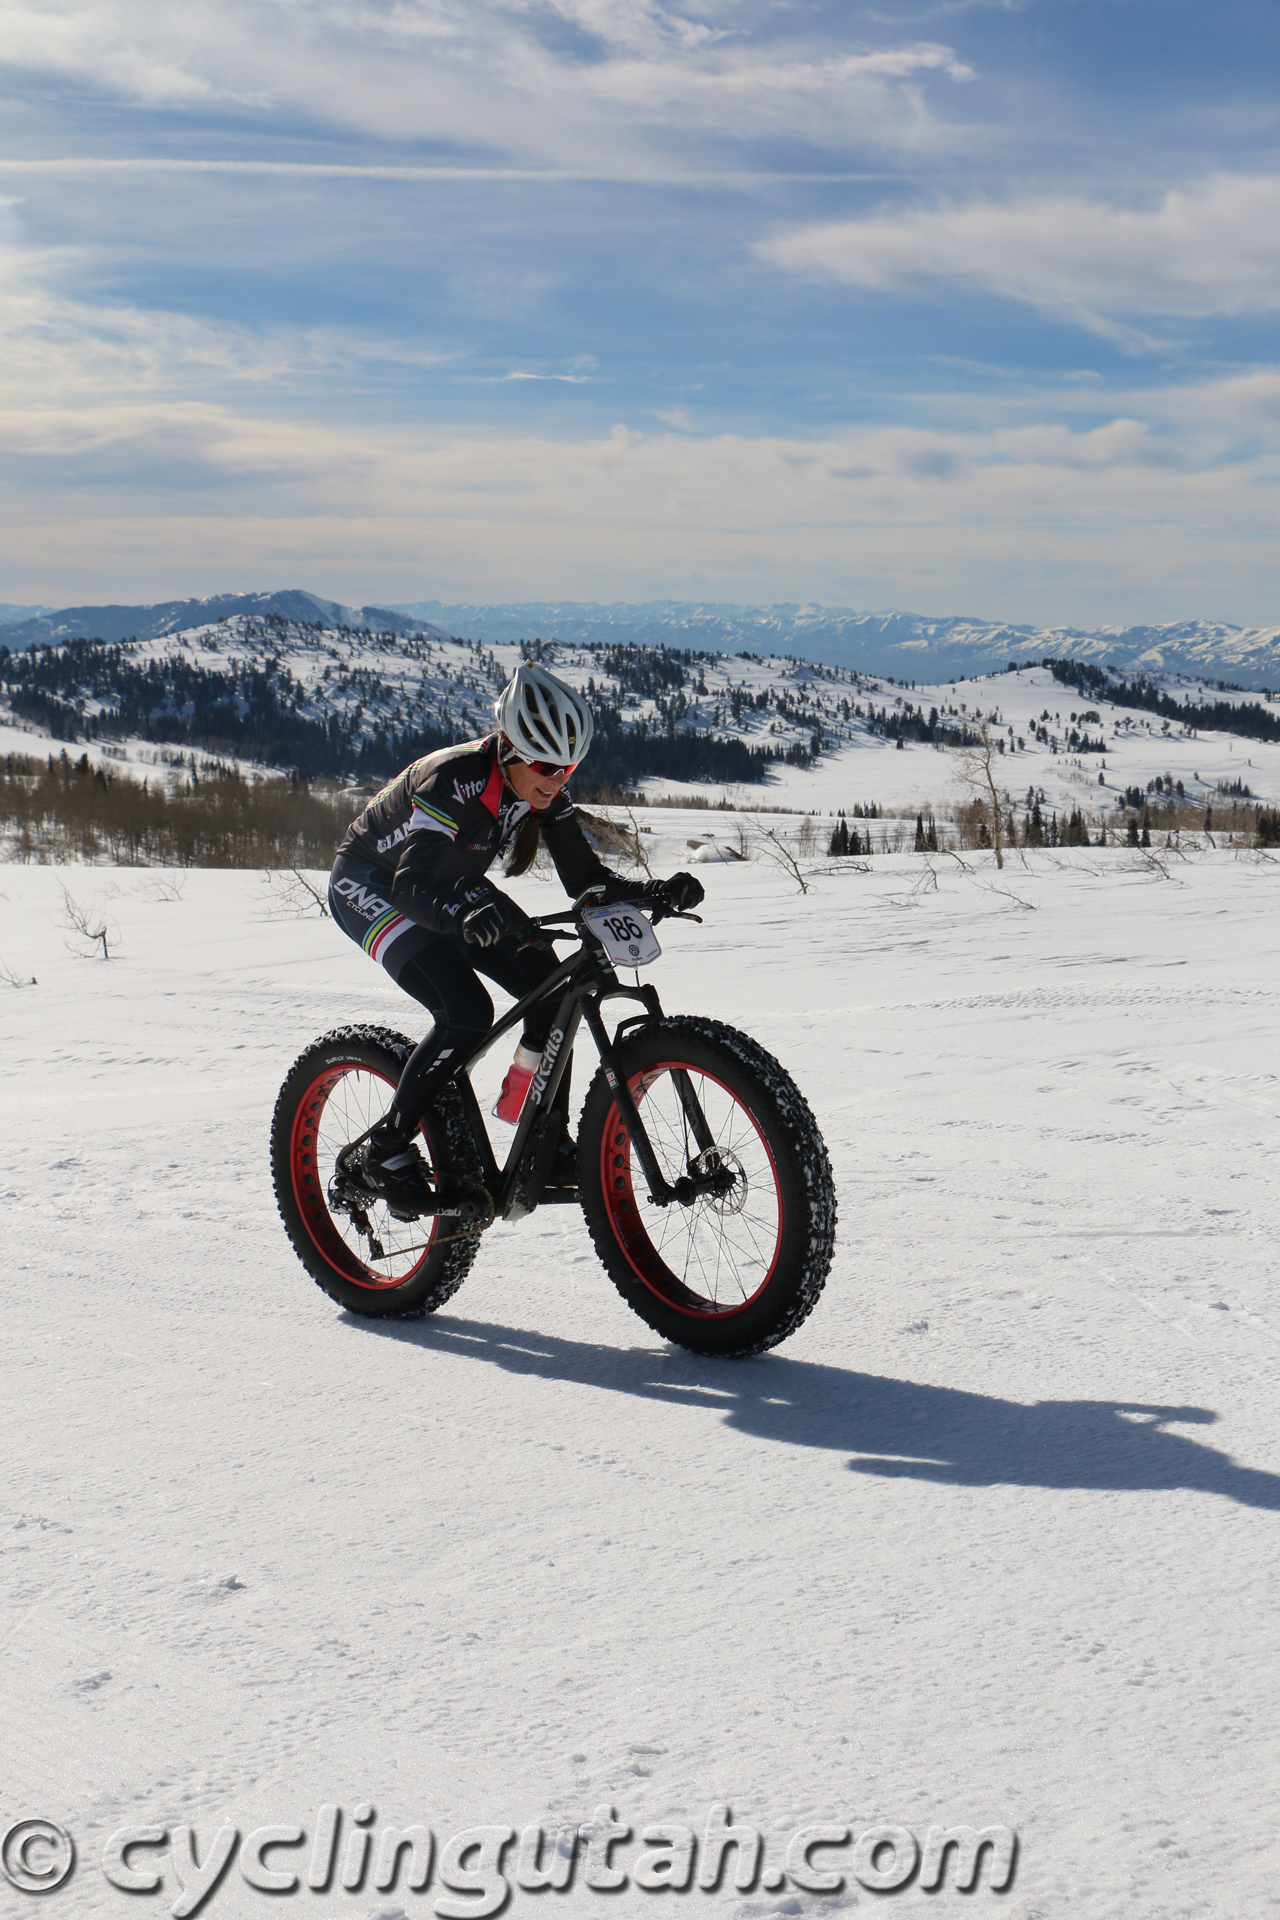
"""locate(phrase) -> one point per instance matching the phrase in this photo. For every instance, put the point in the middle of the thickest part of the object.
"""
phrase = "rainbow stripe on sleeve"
(432, 819)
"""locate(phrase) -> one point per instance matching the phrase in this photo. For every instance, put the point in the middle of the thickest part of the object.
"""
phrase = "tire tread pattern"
(798, 1294)
(445, 1269)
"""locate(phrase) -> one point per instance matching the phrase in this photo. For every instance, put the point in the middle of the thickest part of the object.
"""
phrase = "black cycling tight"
(441, 974)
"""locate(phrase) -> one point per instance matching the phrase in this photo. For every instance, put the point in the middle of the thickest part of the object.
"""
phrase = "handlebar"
(545, 922)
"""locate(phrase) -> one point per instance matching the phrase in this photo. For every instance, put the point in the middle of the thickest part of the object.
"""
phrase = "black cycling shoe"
(564, 1168)
(387, 1169)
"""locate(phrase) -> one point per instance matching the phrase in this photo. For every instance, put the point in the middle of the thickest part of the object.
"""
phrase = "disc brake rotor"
(729, 1195)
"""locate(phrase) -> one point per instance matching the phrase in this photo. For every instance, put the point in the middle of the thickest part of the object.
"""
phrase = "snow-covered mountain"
(907, 645)
(335, 700)
(43, 627)
(11, 614)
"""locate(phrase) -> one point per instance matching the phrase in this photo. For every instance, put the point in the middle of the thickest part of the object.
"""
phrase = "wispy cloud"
(1213, 248)
(235, 349)
(564, 82)
(1173, 505)
(59, 352)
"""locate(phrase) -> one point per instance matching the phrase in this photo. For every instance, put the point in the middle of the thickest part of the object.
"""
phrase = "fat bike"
(703, 1177)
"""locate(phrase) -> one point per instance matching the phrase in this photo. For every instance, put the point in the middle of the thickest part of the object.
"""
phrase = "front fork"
(687, 1188)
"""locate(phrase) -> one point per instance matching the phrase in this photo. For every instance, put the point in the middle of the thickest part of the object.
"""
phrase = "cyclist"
(409, 885)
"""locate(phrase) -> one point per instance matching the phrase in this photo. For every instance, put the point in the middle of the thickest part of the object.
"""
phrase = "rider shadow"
(896, 1429)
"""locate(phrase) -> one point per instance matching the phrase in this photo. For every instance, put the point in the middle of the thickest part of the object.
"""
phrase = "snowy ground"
(990, 1541)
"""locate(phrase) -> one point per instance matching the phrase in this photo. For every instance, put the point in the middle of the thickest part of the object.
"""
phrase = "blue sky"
(966, 307)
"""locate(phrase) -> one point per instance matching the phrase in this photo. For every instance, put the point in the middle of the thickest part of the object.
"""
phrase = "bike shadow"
(897, 1429)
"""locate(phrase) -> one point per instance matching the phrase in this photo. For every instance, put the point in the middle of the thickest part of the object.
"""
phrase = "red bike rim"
(310, 1177)
(630, 1220)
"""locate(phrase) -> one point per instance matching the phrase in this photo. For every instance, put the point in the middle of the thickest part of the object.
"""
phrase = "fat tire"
(450, 1150)
(798, 1156)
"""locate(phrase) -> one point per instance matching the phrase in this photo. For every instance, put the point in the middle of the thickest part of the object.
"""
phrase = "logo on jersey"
(360, 900)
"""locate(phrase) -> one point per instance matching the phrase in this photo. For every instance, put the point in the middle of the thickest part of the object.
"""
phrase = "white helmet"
(543, 718)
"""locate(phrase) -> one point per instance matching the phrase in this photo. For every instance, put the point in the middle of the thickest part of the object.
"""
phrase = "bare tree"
(778, 851)
(743, 828)
(637, 849)
(927, 879)
(976, 769)
(87, 926)
(290, 895)
(1149, 861)
(11, 979)
(626, 841)
(1014, 899)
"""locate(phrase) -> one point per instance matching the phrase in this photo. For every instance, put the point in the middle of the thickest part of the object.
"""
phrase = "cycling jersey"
(438, 827)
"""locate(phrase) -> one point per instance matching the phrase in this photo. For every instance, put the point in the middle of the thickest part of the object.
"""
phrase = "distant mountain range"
(10, 614)
(908, 646)
(113, 623)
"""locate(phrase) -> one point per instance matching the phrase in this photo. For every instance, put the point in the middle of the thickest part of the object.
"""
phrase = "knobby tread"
(447, 1266)
(793, 1296)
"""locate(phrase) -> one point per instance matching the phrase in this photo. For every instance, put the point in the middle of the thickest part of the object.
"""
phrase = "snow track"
(992, 1539)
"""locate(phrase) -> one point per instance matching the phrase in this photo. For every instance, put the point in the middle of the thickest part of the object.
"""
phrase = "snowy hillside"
(906, 645)
(990, 1542)
(330, 699)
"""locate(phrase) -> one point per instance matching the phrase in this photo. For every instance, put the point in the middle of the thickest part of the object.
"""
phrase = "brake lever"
(658, 914)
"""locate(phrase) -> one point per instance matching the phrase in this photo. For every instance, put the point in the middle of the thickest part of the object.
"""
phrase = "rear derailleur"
(348, 1194)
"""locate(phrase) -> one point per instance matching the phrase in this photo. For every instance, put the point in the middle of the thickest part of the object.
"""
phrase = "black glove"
(680, 894)
(615, 890)
(497, 917)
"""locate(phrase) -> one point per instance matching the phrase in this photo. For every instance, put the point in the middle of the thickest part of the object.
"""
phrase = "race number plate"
(625, 935)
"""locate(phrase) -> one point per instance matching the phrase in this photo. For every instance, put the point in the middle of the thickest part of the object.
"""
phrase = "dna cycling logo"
(541, 1077)
(360, 900)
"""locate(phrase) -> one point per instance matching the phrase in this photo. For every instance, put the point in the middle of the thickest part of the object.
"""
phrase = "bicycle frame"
(585, 981)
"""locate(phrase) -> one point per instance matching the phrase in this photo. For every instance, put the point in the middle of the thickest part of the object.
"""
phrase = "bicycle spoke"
(353, 1102)
(719, 1250)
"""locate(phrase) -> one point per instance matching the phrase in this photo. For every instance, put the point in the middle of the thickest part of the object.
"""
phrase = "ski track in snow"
(990, 1540)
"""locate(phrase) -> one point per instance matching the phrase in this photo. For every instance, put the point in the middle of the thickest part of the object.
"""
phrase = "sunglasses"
(549, 770)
